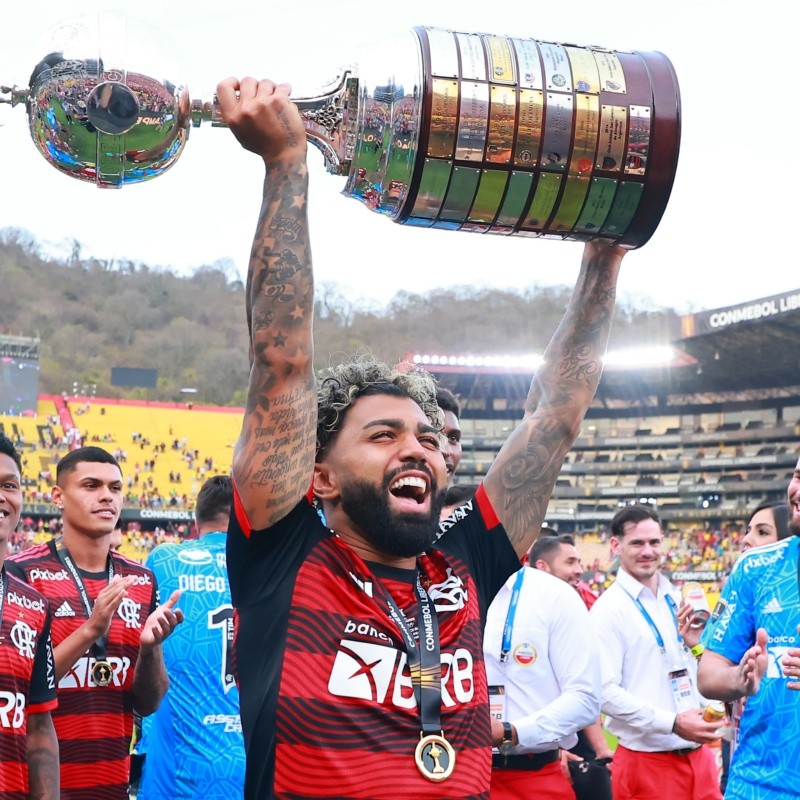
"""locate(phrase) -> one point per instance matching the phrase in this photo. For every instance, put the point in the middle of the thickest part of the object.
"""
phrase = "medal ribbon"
(424, 657)
(99, 647)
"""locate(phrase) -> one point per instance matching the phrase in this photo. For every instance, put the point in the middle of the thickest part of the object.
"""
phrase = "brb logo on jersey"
(23, 637)
(378, 673)
(12, 709)
(129, 611)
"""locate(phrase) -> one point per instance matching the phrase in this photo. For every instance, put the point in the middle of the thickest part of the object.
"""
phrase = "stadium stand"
(704, 438)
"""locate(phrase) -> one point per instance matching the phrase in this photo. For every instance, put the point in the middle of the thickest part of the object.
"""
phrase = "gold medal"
(102, 673)
(435, 757)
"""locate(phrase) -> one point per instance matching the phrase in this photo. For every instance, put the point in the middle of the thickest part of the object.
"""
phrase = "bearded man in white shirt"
(648, 662)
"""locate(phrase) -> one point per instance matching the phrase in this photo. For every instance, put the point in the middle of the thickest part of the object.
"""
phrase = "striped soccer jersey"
(94, 723)
(27, 679)
(327, 703)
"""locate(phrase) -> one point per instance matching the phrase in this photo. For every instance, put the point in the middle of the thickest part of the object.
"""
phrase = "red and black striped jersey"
(27, 678)
(327, 703)
(94, 723)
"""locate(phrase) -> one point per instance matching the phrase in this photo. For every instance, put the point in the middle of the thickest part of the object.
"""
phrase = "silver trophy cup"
(436, 128)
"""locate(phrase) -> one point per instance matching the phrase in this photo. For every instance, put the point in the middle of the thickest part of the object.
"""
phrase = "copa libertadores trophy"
(443, 129)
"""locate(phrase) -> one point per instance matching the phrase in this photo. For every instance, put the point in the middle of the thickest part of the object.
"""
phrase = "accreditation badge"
(680, 681)
(497, 702)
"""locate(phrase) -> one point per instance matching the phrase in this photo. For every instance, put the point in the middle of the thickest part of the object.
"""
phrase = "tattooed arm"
(274, 458)
(43, 765)
(524, 472)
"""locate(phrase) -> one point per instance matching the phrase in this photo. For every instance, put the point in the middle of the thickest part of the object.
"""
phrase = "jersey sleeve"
(43, 679)
(477, 537)
(732, 627)
(254, 556)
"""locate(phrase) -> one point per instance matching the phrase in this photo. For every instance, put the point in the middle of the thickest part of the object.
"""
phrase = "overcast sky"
(724, 238)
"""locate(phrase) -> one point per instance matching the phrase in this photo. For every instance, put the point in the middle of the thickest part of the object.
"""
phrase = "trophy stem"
(329, 117)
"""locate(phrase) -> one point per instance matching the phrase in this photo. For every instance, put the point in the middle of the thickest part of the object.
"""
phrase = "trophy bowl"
(95, 116)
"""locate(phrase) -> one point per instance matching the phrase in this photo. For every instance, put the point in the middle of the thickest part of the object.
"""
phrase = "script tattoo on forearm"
(277, 443)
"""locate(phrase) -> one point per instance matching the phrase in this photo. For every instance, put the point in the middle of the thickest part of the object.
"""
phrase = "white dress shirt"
(552, 683)
(637, 696)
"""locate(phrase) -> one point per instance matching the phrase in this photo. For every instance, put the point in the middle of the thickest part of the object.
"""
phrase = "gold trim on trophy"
(502, 63)
(584, 69)
(435, 757)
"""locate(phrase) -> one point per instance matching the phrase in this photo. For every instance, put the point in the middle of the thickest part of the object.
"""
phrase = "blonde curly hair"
(340, 386)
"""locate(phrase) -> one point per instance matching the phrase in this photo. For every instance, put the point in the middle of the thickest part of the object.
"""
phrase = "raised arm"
(274, 458)
(524, 472)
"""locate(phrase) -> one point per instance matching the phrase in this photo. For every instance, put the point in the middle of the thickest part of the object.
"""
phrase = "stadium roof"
(753, 345)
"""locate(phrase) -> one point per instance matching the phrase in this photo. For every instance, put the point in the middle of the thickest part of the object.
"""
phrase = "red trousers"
(665, 776)
(547, 783)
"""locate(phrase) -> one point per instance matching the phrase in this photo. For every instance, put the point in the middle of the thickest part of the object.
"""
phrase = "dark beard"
(793, 525)
(394, 534)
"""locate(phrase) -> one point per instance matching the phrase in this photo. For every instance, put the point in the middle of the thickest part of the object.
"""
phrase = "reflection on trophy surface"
(436, 128)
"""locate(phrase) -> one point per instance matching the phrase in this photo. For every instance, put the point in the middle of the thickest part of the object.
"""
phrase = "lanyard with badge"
(680, 679)
(102, 673)
(434, 755)
(523, 654)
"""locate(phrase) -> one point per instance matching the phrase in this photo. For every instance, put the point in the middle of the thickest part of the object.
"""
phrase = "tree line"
(91, 315)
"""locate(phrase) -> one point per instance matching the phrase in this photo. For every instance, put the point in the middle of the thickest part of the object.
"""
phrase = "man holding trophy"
(359, 638)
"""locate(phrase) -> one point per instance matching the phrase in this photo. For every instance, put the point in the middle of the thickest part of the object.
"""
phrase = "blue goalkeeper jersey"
(762, 592)
(193, 743)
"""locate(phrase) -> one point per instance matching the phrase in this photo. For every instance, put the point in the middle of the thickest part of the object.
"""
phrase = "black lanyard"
(2, 592)
(424, 657)
(99, 647)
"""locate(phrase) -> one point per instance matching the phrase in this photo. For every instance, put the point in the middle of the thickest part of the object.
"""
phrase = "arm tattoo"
(275, 452)
(43, 763)
(559, 396)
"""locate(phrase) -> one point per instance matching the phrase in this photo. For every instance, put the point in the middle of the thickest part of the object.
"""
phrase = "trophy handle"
(326, 115)
(13, 95)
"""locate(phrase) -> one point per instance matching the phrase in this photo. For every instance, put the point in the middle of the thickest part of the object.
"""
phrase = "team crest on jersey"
(197, 557)
(450, 594)
(23, 637)
(130, 612)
